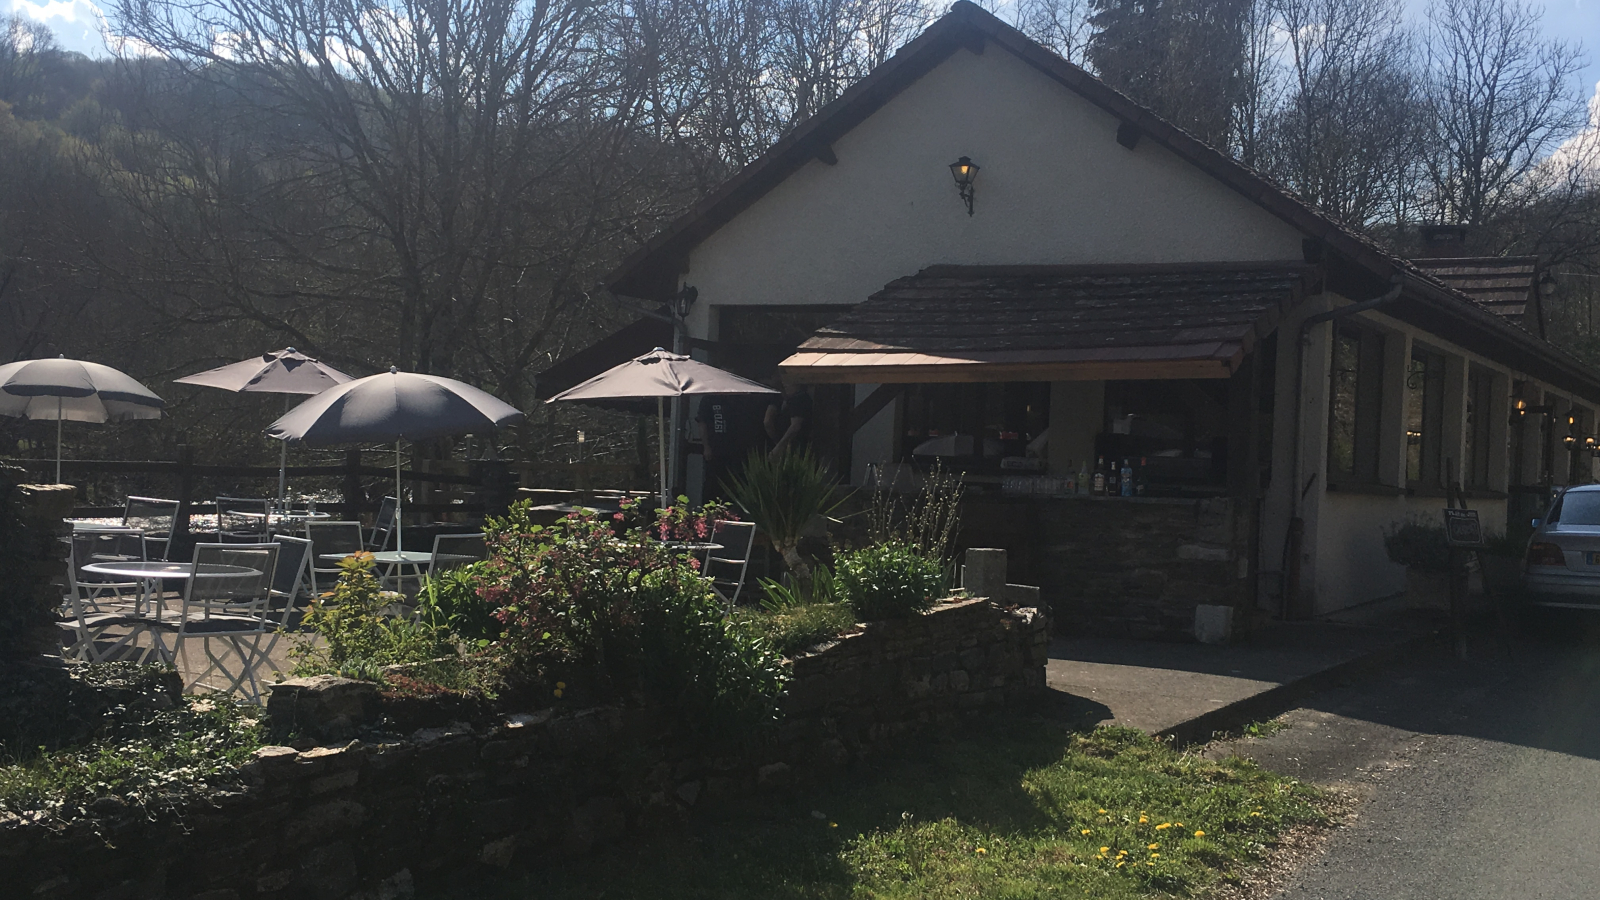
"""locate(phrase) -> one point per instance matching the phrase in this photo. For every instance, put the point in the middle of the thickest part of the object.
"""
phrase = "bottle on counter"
(1100, 476)
(1125, 478)
(1112, 488)
(1140, 484)
(1083, 477)
(1070, 483)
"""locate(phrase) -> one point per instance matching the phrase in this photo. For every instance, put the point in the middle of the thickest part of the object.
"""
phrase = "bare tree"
(1061, 25)
(1344, 137)
(422, 182)
(1500, 99)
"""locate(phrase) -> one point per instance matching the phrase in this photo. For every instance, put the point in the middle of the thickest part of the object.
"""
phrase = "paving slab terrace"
(1189, 690)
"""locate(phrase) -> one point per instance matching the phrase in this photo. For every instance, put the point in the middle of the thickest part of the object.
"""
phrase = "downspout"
(1290, 564)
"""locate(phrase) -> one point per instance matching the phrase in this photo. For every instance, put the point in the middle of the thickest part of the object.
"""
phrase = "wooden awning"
(1051, 323)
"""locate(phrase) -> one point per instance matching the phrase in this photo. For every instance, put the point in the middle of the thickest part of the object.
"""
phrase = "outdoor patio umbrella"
(393, 406)
(287, 372)
(73, 390)
(660, 374)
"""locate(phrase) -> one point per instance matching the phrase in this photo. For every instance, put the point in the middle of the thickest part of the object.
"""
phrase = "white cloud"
(1581, 152)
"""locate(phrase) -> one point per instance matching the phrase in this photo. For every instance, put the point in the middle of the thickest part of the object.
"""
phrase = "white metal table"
(390, 562)
(149, 607)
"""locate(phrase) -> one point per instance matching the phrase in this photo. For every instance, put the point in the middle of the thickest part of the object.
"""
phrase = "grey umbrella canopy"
(288, 372)
(660, 374)
(72, 390)
(393, 406)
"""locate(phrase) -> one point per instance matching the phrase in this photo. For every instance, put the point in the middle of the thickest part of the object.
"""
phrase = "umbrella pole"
(58, 440)
(399, 520)
(283, 463)
(661, 445)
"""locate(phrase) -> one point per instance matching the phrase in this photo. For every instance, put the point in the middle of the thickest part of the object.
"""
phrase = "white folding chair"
(103, 609)
(227, 601)
(157, 518)
(473, 546)
(383, 526)
(242, 518)
(291, 578)
(331, 537)
(726, 567)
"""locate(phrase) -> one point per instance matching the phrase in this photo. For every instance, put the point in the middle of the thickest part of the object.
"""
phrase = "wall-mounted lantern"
(965, 171)
(1547, 285)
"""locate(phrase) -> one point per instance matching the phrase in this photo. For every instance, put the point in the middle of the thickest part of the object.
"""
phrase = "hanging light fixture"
(965, 171)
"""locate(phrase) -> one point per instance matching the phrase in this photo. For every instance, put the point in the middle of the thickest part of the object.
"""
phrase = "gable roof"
(1050, 322)
(652, 270)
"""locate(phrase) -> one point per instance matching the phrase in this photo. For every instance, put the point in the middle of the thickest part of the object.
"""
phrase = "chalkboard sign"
(1462, 528)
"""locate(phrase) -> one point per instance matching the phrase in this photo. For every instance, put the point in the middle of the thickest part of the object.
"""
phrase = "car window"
(1577, 508)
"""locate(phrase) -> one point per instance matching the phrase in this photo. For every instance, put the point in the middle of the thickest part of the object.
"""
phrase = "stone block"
(1205, 553)
(323, 707)
(983, 573)
(1213, 624)
(774, 775)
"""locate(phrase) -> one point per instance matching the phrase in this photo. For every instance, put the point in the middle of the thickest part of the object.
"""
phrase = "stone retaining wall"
(1138, 567)
(368, 817)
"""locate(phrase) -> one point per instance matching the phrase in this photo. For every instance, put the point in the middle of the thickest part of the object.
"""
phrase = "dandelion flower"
(1085, 831)
(1154, 847)
(1177, 824)
(982, 852)
(1163, 826)
(1155, 856)
(833, 824)
(558, 693)
(1143, 819)
(1102, 812)
(1199, 834)
(1121, 864)
(562, 685)
(1105, 849)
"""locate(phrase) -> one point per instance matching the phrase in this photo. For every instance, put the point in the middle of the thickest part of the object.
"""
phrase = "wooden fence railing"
(444, 486)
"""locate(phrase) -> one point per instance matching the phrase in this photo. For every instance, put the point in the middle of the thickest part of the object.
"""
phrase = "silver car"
(1562, 565)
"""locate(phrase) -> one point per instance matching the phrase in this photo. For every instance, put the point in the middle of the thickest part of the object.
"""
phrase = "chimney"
(1442, 241)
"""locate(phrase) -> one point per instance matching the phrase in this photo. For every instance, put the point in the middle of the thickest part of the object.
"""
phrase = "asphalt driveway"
(1475, 780)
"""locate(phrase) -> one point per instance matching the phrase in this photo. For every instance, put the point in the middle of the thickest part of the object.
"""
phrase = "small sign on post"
(1462, 528)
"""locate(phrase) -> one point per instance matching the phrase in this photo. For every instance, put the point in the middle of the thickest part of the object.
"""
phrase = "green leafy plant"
(625, 612)
(893, 580)
(449, 602)
(1419, 544)
(154, 762)
(796, 628)
(784, 496)
(929, 520)
(357, 638)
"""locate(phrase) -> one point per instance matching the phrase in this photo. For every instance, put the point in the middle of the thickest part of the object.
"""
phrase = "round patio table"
(392, 561)
(149, 573)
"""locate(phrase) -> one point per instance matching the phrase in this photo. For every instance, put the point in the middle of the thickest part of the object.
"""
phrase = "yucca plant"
(783, 496)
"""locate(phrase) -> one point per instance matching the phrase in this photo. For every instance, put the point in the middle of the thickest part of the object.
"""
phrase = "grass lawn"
(1012, 810)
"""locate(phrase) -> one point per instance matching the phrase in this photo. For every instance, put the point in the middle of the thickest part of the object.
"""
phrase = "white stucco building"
(1119, 289)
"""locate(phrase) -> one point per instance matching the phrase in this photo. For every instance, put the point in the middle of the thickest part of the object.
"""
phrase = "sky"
(80, 25)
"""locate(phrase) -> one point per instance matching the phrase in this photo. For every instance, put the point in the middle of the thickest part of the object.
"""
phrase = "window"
(1425, 419)
(1479, 447)
(1577, 508)
(1355, 402)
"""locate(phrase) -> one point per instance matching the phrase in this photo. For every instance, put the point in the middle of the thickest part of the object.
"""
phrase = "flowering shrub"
(580, 598)
(678, 522)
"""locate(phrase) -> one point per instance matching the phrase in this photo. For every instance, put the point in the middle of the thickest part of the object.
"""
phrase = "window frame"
(1361, 388)
(1424, 426)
